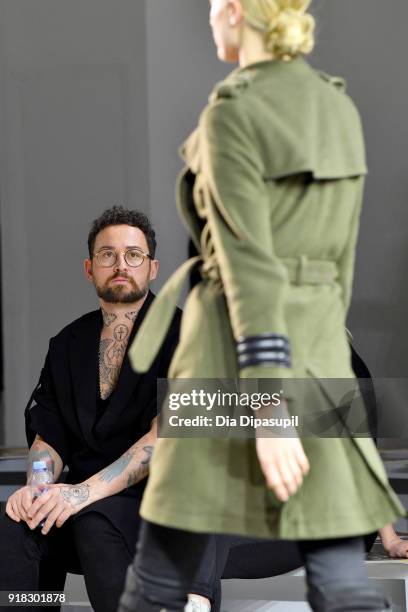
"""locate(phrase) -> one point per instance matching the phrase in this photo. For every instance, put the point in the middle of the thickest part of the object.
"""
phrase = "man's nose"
(120, 261)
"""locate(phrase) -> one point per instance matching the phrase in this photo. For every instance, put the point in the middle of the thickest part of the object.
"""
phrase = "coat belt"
(156, 323)
(305, 271)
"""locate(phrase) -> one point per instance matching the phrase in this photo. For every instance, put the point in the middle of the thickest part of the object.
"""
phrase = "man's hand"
(19, 503)
(283, 463)
(57, 504)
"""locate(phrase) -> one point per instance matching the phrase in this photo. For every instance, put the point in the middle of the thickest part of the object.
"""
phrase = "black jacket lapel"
(84, 350)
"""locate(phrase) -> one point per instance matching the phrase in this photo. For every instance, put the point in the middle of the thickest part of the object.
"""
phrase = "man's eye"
(107, 254)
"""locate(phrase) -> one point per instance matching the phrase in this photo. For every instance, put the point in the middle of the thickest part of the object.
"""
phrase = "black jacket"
(63, 407)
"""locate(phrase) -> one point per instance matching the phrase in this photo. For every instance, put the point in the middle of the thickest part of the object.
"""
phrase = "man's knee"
(94, 531)
(13, 535)
(99, 545)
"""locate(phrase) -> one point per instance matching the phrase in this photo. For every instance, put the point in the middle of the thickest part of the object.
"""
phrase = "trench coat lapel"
(190, 154)
(127, 382)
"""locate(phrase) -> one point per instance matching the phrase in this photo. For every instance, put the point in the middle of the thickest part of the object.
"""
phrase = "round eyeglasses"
(107, 258)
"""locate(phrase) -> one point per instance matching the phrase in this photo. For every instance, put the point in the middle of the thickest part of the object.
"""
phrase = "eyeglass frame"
(145, 256)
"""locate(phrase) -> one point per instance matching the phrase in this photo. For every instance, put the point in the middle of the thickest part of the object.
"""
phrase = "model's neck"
(120, 313)
(252, 48)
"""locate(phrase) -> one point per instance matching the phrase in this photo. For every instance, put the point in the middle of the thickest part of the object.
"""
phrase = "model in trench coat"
(271, 194)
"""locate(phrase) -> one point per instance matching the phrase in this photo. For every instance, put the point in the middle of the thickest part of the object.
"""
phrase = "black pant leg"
(246, 558)
(104, 558)
(21, 551)
(206, 575)
(230, 557)
(255, 558)
(23, 560)
(163, 570)
(337, 578)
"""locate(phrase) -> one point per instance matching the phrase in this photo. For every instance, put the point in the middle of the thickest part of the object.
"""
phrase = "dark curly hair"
(117, 215)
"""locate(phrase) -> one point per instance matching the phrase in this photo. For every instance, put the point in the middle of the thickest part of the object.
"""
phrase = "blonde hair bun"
(288, 28)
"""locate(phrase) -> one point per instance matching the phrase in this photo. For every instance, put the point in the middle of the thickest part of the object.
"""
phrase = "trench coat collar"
(84, 361)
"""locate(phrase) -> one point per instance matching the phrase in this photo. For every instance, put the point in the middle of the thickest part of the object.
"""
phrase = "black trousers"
(228, 556)
(89, 544)
(92, 546)
(168, 559)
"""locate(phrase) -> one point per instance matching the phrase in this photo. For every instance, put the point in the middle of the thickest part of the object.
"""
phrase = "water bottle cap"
(39, 465)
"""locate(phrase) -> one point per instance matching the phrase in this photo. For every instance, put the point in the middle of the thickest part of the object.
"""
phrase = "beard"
(121, 294)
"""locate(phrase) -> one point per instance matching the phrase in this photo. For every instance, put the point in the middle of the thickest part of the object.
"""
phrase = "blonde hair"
(288, 28)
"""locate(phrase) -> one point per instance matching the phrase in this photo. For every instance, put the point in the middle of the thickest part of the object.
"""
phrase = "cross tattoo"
(120, 332)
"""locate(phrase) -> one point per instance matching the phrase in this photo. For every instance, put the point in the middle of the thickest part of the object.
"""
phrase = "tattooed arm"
(62, 501)
(126, 471)
(20, 502)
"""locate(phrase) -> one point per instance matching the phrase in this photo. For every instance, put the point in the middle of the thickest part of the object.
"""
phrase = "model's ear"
(88, 270)
(235, 12)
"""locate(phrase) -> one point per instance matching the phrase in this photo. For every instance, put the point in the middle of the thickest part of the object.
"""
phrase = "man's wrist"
(388, 542)
(77, 494)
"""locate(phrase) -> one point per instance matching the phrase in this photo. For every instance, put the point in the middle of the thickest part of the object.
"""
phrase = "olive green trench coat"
(271, 194)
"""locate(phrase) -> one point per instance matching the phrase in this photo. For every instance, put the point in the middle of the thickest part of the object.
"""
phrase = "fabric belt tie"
(156, 323)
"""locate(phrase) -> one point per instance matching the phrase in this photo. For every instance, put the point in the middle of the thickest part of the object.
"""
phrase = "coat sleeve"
(347, 259)
(42, 414)
(255, 280)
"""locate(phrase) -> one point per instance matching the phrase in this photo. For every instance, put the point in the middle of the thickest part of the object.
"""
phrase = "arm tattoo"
(108, 317)
(142, 470)
(76, 494)
(149, 451)
(116, 469)
(134, 477)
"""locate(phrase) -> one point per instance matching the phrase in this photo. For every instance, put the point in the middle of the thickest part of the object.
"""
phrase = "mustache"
(131, 280)
(119, 275)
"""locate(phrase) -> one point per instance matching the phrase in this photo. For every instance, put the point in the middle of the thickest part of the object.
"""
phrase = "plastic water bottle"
(40, 476)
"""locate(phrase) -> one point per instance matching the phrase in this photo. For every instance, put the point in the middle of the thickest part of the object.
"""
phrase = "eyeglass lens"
(108, 258)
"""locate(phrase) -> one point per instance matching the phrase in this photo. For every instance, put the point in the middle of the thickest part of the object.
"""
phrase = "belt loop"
(301, 268)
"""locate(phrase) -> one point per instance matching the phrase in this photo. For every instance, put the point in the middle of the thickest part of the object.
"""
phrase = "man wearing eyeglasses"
(91, 413)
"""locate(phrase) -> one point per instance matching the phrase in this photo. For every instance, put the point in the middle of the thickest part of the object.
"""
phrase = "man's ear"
(88, 270)
(154, 268)
(235, 12)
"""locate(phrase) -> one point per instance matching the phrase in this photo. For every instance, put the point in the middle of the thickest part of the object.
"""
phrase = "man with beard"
(91, 413)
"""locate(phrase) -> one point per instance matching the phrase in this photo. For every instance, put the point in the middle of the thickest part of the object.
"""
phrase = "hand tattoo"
(108, 317)
(116, 468)
(76, 494)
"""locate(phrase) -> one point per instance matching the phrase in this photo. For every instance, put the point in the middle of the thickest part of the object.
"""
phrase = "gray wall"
(73, 121)
(365, 42)
(95, 98)
(182, 68)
